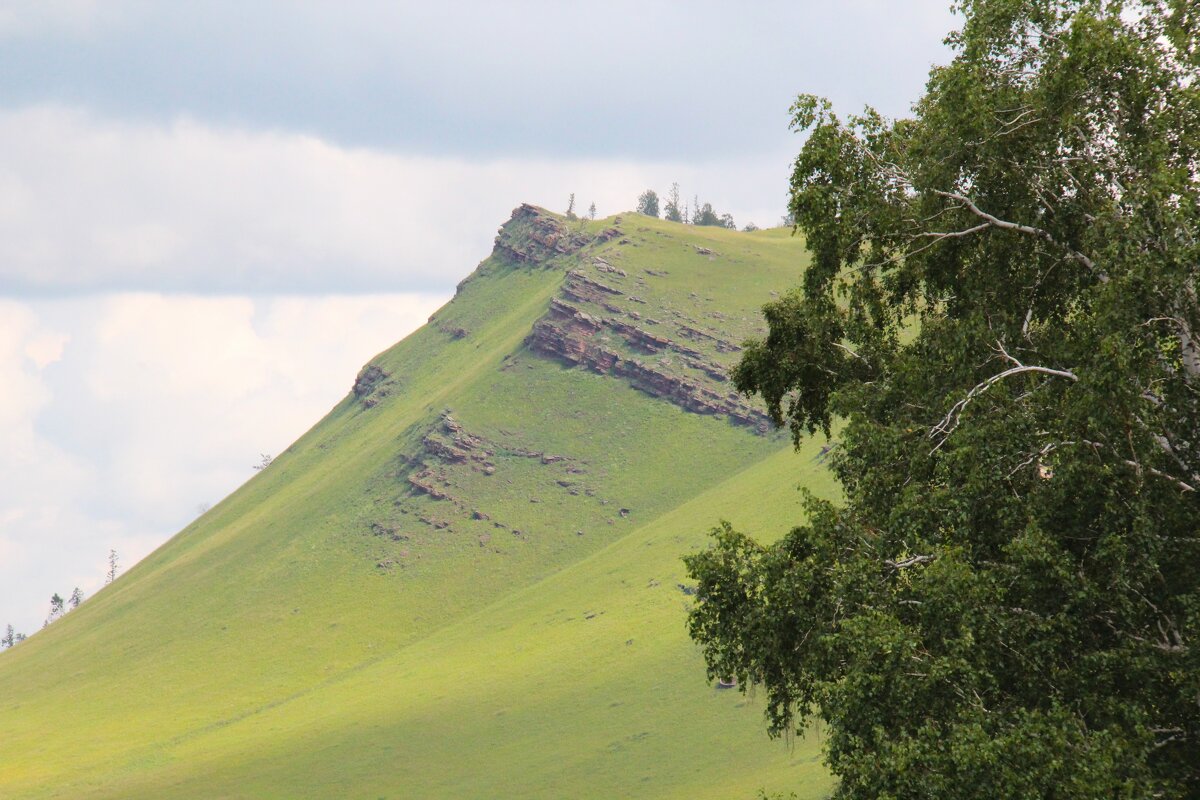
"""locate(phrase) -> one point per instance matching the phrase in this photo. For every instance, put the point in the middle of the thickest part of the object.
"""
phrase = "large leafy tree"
(1002, 307)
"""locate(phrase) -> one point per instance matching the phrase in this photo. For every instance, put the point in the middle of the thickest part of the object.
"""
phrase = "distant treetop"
(648, 203)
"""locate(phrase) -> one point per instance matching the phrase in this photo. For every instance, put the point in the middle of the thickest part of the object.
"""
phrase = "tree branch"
(955, 234)
(911, 561)
(1029, 230)
(944, 428)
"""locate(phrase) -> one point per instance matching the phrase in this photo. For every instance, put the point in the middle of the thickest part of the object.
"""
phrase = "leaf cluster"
(1002, 307)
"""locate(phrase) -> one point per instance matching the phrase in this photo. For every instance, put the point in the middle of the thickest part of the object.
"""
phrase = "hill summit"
(465, 580)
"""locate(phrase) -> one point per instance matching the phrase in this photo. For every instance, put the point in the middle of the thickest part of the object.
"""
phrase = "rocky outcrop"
(691, 395)
(448, 448)
(533, 236)
(709, 368)
(424, 482)
(453, 331)
(450, 444)
(603, 266)
(445, 445)
(368, 378)
(566, 333)
(637, 338)
(698, 335)
(570, 334)
(370, 385)
(580, 288)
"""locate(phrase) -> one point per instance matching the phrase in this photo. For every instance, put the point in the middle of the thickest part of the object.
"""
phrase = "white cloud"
(91, 204)
(134, 409)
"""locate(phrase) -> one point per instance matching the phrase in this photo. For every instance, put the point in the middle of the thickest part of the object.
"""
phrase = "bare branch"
(1177, 734)
(1139, 468)
(909, 562)
(1183, 485)
(849, 351)
(1038, 456)
(944, 428)
(955, 234)
(1029, 230)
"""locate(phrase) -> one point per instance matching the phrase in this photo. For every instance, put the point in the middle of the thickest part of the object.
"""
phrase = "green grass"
(264, 652)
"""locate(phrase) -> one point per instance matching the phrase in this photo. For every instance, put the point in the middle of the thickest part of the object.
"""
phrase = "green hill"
(465, 581)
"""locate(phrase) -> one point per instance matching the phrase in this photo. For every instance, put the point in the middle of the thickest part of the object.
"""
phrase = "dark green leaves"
(1003, 308)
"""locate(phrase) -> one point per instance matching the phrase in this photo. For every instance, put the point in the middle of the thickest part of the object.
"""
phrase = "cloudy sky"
(213, 213)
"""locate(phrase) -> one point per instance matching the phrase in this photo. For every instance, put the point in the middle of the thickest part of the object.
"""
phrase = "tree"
(672, 212)
(1002, 307)
(112, 567)
(263, 462)
(592, 211)
(704, 215)
(76, 598)
(9, 638)
(648, 203)
(57, 608)
(571, 207)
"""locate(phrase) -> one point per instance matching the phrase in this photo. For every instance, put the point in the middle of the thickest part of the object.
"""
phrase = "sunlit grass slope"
(464, 581)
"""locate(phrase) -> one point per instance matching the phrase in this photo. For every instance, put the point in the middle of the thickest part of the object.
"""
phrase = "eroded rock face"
(448, 446)
(371, 385)
(603, 266)
(368, 378)
(590, 323)
(567, 333)
(534, 237)
(695, 333)
(454, 445)
(455, 484)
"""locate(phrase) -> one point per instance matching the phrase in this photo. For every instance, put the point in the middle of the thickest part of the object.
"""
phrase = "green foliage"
(648, 203)
(1002, 306)
(704, 215)
(672, 212)
(57, 608)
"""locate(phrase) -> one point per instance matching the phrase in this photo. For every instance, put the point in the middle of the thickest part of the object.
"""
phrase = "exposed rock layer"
(571, 334)
(533, 237)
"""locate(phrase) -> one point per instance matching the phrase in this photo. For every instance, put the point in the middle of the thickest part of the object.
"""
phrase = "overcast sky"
(213, 213)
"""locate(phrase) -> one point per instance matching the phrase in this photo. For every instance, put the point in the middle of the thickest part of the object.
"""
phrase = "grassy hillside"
(465, 580)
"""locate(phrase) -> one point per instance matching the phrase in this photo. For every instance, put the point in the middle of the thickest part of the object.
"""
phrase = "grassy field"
(329, 630)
